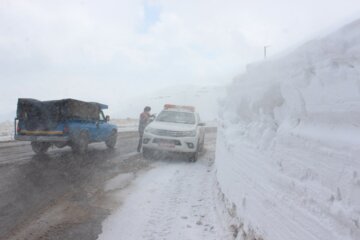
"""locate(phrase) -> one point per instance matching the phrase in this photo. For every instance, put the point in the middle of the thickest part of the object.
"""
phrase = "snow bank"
(289, 142)
(6, 131)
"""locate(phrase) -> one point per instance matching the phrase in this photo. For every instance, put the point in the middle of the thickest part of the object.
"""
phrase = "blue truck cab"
(60, 123)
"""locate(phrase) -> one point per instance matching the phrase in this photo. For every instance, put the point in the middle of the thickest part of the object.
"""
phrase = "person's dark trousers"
(140, 141)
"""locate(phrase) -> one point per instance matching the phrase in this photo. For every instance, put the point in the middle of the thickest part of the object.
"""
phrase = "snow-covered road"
(174, 200)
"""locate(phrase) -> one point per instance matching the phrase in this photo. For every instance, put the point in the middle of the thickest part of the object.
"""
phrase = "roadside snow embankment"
(289, 142)
(6, 131)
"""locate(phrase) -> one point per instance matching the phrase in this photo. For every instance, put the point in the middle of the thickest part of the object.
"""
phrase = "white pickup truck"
(175, 129)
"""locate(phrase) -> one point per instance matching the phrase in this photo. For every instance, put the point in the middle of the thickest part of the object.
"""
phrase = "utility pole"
(265, 47)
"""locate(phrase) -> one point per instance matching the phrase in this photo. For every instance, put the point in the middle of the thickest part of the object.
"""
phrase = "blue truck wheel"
(111, 141)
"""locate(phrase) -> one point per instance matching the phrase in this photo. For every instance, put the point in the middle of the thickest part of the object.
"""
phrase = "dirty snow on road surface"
(176, 199)
(288, 147)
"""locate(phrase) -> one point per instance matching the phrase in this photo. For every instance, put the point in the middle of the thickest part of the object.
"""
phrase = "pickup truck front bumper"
(42, 138)
(170, 144)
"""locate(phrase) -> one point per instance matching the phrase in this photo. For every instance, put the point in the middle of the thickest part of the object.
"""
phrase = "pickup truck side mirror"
(201, 124)
(107, 118)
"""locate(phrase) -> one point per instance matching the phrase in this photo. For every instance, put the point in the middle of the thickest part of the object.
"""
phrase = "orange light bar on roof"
(189, 108)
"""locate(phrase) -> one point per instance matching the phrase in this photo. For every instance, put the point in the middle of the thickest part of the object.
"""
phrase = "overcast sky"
(111, 50)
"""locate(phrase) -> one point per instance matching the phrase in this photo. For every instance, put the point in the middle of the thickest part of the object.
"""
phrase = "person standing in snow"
(143, 122)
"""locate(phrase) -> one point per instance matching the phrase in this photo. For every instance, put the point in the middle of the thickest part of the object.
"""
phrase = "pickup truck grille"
(169, 133)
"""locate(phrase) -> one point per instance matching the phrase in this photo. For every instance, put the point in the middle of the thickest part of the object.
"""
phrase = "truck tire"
(111, 141)
(195, 156)
(80, 144)
(40, 147)
(201, 148)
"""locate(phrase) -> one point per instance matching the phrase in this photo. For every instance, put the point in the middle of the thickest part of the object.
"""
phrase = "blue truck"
(60, 123)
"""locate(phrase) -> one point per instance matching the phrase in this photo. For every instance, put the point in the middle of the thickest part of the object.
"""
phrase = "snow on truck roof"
(179, 108)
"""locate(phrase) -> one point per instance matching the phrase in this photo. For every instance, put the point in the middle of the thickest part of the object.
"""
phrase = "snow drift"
(6, 131)
(289, 142)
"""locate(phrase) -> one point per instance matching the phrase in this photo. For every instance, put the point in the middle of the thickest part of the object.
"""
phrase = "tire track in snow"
(174, 200)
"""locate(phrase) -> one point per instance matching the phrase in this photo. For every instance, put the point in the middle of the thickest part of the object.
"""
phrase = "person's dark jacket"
(143, 121)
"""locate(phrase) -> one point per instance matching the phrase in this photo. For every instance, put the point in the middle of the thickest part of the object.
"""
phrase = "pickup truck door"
(103, 129)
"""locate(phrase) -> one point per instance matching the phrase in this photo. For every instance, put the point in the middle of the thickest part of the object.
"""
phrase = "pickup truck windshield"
(176, 117)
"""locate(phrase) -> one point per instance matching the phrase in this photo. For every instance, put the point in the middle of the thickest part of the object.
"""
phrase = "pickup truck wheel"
(194, 156)
(40, 147)
(80, 145)
(111, 142)
(201, 148)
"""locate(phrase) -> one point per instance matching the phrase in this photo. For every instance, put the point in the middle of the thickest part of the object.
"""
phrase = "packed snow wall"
(288, 148)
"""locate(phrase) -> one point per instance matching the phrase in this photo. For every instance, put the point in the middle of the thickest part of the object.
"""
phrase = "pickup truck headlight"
(189, 133)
